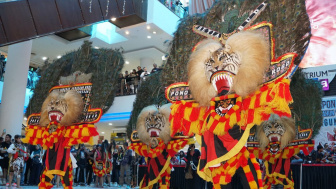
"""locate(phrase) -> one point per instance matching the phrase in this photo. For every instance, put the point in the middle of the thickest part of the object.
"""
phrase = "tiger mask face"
(238, 66)
(63, 108)
(153, 123)
(278, 132)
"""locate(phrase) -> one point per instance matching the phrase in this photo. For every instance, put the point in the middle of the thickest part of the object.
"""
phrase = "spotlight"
(154, 32)
(148, 27)
(59, 56)
(127, 62)
(126, 32)
(44, 58)
(113, 19)
(149, 37)
(110, 124)
(96, 47)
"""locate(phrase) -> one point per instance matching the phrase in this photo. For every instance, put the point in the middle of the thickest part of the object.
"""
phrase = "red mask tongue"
(274, 139)
(153, 134)
(223, 85)
(53, 118)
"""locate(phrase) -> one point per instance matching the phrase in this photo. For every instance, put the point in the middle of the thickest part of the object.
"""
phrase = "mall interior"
(143, 33)
(132, 52)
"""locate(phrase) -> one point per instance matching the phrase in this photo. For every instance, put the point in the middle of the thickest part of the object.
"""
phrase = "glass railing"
(176, 7)
(130, 85)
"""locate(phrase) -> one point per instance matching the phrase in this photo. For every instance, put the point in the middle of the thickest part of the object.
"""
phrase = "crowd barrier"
(313, 176)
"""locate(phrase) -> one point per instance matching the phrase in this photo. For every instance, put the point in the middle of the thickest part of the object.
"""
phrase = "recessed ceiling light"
(148, 27)
(164, 57)
(96, 47)
(59, 56)
(113, 19)
(126, 32)
(149, 37)
(127, 62)
(103, 132)
(25, 118)
(154, 32)
(44, 58)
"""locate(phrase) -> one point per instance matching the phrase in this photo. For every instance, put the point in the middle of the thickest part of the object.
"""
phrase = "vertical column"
(147, 62)
(14, 88)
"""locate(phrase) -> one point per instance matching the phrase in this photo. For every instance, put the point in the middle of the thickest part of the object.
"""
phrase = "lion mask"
(276, 130)
(153, 123)
(238, 66)
(63, 108)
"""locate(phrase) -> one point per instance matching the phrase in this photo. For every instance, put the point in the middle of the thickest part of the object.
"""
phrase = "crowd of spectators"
(322, 154)
(25, 168)
(120, 164)
(130, 82)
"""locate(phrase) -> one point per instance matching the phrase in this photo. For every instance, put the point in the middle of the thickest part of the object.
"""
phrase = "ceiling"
(137, 45)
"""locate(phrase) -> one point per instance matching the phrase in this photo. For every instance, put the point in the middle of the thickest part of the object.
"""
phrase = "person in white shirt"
(144, 74)
(16, 161)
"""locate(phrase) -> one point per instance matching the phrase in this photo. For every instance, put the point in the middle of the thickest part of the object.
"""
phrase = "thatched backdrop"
(104, 64)
(291, 32)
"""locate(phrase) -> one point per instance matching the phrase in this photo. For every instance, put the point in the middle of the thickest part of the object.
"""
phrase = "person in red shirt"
(99, 165)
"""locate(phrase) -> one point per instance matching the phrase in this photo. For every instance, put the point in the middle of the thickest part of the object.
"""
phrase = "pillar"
(14, 88)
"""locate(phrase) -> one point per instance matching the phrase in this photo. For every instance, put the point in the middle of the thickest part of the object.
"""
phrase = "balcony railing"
(176, 7)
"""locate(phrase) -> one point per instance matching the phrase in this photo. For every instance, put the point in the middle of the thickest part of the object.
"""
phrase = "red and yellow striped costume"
(58, 145)
(277, 165)
(158, 161)
(99, 172)
(223, 138)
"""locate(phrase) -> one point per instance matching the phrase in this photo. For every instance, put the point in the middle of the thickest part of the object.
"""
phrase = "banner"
(322, 46)
(324, 74)
(327, 132)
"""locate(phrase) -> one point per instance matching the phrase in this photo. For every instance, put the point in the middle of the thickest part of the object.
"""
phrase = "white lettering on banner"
(311, 75)
(182, 92)
(80, 89)
(324, 83)
(327, 132)
(328, 104)
(320, 72)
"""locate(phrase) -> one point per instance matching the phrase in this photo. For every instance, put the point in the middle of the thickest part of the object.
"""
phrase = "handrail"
(176, 8)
